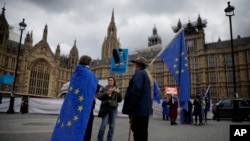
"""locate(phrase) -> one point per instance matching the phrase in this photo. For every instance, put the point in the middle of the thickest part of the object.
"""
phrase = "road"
(39, 127)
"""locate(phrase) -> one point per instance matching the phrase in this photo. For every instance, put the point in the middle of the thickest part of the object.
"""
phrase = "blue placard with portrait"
(119, 61)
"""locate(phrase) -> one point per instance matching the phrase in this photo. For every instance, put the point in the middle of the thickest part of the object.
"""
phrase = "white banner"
(45, 105)
(4, 106)
(53, 106)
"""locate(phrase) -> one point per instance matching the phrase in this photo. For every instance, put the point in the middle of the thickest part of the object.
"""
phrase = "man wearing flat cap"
(138, 100)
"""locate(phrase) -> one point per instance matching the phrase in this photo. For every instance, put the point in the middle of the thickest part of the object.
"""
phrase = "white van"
(65, 87)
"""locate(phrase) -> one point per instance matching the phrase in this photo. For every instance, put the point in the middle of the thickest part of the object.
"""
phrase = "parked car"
(234, 108)
(64, 90)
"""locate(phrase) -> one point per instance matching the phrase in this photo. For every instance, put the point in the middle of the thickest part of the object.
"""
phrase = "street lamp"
(230, 12)
(12, 96)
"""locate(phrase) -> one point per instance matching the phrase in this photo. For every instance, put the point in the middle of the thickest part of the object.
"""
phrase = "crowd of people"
(197, 109)
(137, 103)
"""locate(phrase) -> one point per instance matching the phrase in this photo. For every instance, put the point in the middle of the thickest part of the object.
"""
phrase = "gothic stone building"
(210, 64)
(42, 72)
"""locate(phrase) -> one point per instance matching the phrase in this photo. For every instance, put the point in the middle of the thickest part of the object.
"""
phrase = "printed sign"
(171, 90)
(119, 61)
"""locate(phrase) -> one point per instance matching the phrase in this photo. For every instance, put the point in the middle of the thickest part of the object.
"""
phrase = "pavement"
(39, 127)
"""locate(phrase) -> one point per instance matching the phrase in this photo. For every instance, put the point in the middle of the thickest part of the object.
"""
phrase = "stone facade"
(42, 72)
(210, 63)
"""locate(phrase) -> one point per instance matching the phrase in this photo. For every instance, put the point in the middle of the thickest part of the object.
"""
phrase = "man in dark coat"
(197, 109)
(138, 100)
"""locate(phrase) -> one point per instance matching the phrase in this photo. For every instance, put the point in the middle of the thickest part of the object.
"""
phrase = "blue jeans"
(109, 118)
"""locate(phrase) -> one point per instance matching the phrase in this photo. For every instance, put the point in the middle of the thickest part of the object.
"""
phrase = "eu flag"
(75, 112)
(175, 57)
(156, 93)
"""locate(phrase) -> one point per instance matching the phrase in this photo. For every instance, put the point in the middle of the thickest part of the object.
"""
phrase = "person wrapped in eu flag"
(73, 119)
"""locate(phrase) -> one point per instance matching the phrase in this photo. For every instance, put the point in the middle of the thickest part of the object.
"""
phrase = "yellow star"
(76, 91)
(182, 53)
(81, 98)
(62, 125)
(69, 123)
(70, 89)
(76, 118)
(80, 108)
(58, 121)
(175, 65)
(176, 59)
(177, 72)
(186, 65)
(182, 70)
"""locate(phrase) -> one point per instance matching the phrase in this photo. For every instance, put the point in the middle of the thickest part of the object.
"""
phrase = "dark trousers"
(88, 132)
(165, 117)
(196, 118)
(140, 127)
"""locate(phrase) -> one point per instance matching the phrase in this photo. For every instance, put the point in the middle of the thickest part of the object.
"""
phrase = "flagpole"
(166, 46)
(207, 90)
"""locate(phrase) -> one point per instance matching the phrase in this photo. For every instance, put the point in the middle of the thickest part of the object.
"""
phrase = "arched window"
(39, 78)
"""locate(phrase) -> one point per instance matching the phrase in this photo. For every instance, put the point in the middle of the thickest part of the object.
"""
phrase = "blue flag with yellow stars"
(156, 90)
(175, 57)
(75, 112)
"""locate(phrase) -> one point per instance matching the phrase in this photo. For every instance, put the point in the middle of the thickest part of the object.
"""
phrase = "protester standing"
(173, 107)
(88, 133)
(190, 109)
(165, 109)
(110, 97)
(138, 100)
(73, 120)
(197, 109)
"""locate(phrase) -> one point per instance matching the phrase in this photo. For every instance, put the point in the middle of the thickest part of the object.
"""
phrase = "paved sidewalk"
(38, 127)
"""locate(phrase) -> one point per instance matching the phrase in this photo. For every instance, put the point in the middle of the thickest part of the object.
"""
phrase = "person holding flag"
(207, 103)
(165, 109)
(73, 120)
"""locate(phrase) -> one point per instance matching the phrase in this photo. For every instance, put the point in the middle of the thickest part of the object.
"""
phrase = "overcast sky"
(87, 20)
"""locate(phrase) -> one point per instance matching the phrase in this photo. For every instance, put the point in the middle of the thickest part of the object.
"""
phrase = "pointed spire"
(112, 27)
(113, 17)
(74, 48)
(178, 27)
(199, 20)
(179, 24)
(3, 10)
(154, 30)
(58, 52)
(75, 43)
(45, 32)
(58, 49)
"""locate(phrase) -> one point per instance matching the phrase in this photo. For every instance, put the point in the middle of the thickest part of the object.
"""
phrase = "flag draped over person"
(75, 112)
(156, 96)
(175, 58)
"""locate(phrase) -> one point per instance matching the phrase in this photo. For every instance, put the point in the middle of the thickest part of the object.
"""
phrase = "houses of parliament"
(42, 71)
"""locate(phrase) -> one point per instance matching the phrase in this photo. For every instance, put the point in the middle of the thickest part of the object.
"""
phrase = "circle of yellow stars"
(80, 108)
(176, 62)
